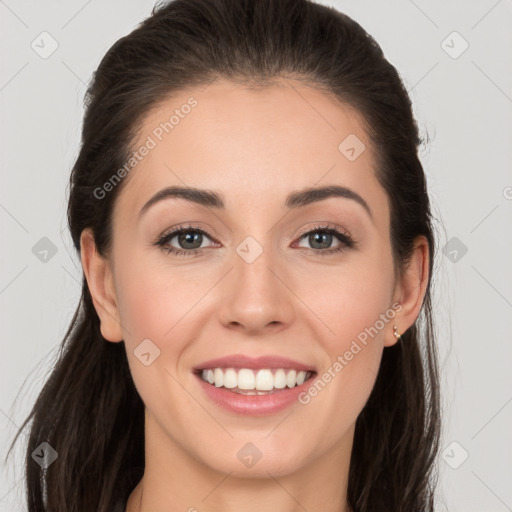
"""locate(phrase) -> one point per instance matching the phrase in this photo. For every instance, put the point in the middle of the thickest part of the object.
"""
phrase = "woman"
(255, 327)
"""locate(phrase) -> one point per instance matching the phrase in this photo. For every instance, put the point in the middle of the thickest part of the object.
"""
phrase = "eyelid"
(184, 227)
(345, 239)
(319, 226)
(163, 241)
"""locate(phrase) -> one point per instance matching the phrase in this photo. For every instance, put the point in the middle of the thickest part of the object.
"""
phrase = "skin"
(254, 147)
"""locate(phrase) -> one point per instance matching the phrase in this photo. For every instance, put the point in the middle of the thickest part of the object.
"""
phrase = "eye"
(321, 238)
(188, 238)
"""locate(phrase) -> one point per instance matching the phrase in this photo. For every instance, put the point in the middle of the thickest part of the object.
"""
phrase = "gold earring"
(396, 333)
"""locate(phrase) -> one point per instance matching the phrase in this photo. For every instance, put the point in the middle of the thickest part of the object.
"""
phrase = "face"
(260, 270)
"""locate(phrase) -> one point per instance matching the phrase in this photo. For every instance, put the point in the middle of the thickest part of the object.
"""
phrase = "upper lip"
(254, 363)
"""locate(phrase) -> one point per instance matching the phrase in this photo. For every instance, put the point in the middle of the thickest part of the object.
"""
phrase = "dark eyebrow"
(294, 200)
(312, 195)
(196, 195)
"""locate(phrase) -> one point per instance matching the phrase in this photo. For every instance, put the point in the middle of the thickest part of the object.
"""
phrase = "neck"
(175, 481)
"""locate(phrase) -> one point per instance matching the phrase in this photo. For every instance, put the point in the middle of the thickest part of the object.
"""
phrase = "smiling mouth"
(247, 381)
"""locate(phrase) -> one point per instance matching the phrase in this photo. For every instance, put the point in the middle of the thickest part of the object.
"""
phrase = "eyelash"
(347, 242)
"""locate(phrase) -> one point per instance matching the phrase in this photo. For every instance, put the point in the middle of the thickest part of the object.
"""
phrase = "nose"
(256, 297)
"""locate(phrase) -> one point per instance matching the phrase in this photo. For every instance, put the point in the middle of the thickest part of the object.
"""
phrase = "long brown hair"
(89, 410)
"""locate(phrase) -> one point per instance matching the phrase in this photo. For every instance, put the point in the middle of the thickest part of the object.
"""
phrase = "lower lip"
(254, 405)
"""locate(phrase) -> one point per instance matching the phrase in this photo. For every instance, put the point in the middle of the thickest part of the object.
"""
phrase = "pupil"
(318, 238)
(186, 238)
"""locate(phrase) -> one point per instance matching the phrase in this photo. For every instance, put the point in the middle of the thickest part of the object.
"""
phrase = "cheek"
(345, 383)
(164, 306)
(153, 301)
(157, 305)
(349, 300)
(361, 309)
(356, 305)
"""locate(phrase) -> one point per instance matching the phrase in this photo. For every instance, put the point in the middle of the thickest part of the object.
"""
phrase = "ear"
(100, 280)
(410, 289)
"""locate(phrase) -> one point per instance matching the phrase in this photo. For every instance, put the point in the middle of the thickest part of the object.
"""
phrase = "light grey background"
(463, 104)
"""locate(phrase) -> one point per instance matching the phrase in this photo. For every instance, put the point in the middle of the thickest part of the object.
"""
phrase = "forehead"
(252, 143)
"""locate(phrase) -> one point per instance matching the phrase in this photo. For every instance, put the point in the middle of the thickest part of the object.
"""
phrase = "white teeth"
(230, 380)
(291, 378)
(246, 379)
(264, 380)
(218, 376)
(280, 379)
(259, 380)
